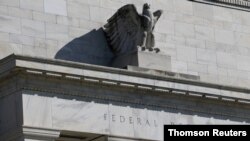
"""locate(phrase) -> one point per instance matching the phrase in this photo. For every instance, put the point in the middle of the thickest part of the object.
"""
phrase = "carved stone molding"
(235, 4)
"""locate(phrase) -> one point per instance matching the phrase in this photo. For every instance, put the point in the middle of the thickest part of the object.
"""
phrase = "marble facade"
(201, 75)
(52, 100)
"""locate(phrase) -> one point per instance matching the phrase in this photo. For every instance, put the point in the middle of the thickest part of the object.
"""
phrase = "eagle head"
(146, 6)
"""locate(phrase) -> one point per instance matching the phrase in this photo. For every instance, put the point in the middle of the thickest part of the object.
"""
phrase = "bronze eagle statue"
(127, 30)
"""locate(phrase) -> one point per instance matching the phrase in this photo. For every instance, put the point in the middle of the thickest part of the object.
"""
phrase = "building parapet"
(123, 78)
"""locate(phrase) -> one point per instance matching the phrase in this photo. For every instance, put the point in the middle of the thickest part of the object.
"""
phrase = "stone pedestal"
(154, 61)
(149, 60)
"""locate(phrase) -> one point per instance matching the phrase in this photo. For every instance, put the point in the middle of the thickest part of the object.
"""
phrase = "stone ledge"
(75, 65)
(126, 78)
(40, 133)
(164, 73)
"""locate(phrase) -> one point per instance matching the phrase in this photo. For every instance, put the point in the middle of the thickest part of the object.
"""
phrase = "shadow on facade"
(91, 48)
(12, 119)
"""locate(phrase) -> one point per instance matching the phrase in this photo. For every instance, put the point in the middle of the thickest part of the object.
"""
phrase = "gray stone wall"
(205, 40)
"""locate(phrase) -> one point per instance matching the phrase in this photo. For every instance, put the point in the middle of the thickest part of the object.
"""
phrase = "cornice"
(13, 58)
(25, 76)
(140, 91)
(12, 65)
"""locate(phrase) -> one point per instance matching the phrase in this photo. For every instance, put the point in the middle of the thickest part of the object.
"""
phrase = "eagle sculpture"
(127, 30)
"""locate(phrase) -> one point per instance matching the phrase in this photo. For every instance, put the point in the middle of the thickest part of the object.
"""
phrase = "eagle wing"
(157, 14)
(151, 38)
(124, 30)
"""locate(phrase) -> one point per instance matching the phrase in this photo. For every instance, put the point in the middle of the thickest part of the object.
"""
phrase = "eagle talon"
(157, 50)
(150, 49)
(143, 48)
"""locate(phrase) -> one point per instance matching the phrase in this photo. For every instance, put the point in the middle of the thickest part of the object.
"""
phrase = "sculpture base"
(142, 59)
(154, 61)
